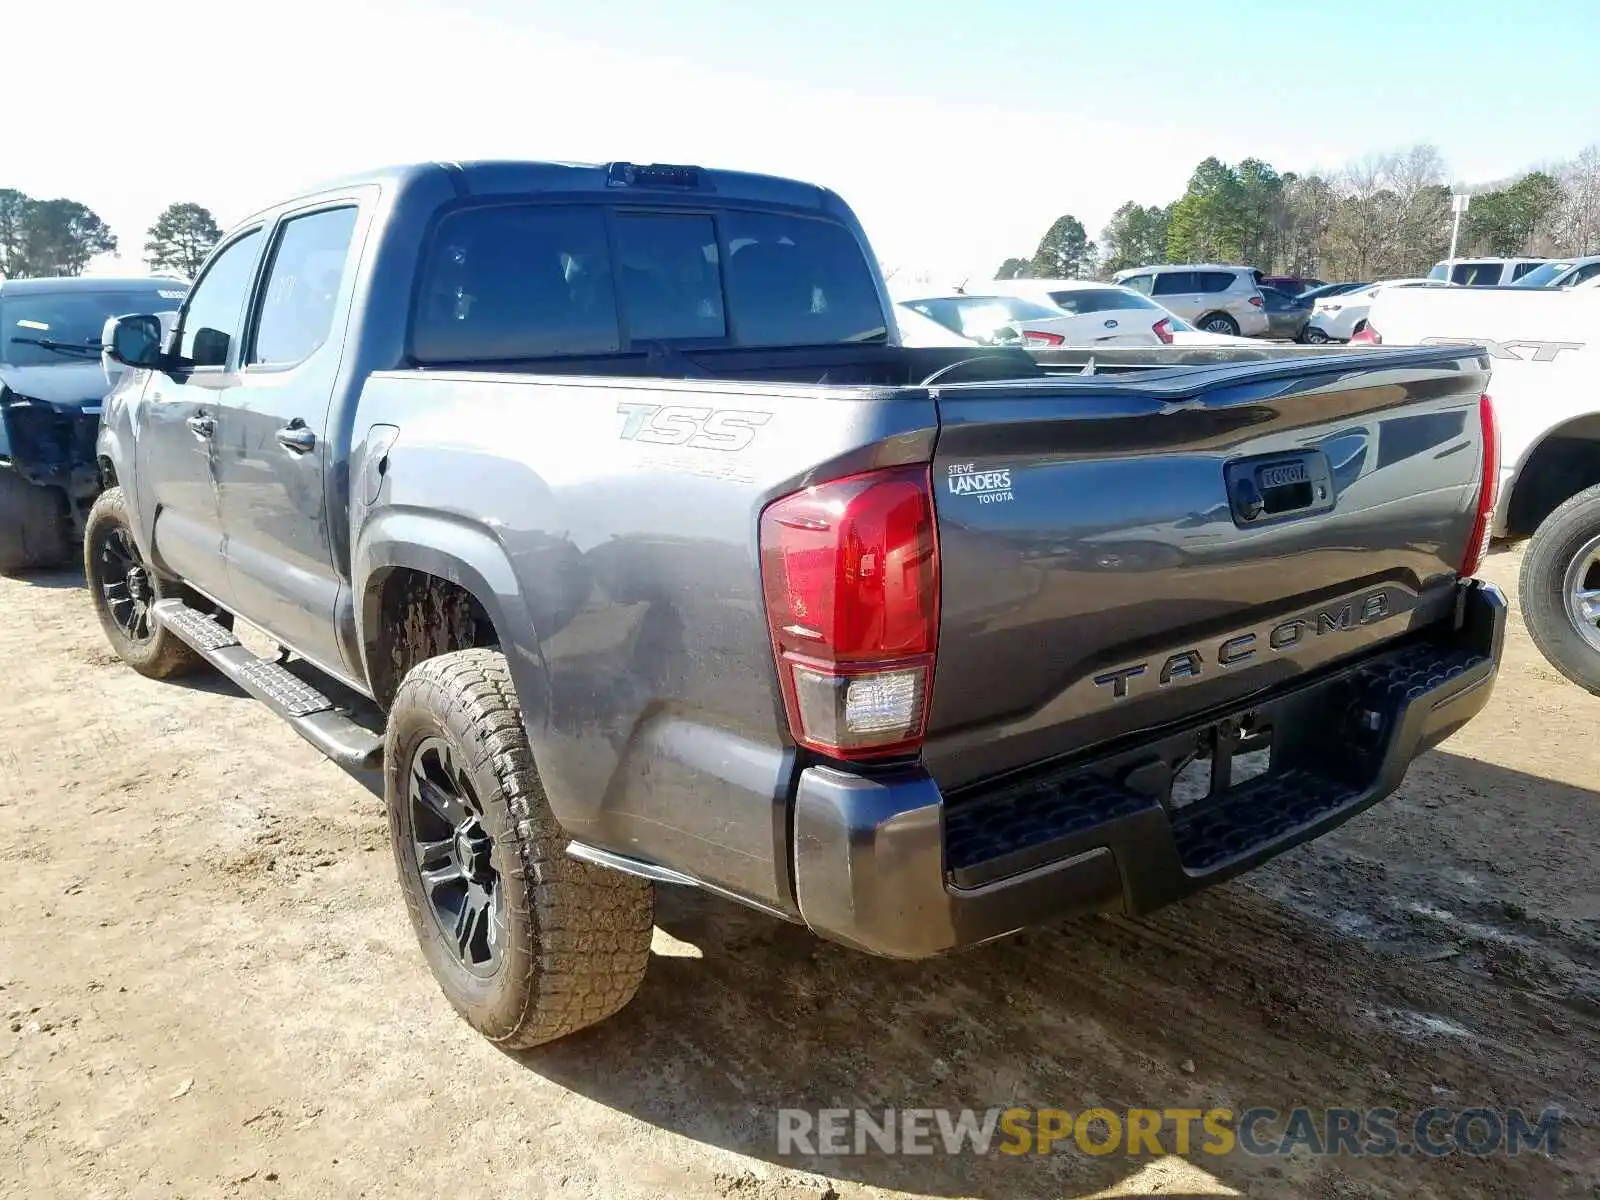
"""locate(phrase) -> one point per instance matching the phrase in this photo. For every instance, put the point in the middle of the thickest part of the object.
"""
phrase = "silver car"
(1211, 296)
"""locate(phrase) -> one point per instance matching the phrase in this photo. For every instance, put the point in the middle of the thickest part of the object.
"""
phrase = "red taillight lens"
(1488, 489)
(1163, 331)
(1257, 301)
(850, 573)
(1367, 335)
(1035, 337)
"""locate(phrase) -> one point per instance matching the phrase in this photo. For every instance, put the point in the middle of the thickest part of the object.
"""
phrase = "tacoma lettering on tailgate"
(1192, 663)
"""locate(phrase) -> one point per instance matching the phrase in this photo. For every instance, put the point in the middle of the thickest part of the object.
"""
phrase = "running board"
(310, 713)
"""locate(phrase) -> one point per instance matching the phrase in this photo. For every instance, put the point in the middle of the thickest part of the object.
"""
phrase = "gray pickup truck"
(600, 507)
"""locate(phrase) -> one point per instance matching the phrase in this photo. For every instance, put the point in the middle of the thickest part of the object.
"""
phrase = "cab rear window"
(545, 280)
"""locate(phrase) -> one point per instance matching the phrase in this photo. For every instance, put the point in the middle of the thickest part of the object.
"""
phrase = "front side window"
(302, 289)
(216, 306)
(518, 281)
(1521, 269)
(1139, 283)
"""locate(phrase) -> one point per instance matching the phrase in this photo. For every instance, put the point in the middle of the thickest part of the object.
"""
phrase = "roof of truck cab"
(89, 283)
(491, 177)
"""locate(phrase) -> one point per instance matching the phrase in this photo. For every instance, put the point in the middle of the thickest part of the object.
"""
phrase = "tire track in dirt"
(194, 897)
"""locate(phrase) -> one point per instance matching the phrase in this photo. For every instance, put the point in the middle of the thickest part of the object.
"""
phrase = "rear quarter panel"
(613, 527)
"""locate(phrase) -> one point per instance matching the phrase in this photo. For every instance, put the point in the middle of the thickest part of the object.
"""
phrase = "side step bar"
(309, 713)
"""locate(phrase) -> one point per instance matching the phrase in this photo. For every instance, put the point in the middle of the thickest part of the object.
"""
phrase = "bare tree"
(1577, 222)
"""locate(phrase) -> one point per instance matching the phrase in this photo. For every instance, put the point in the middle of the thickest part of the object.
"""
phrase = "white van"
(1484, 272)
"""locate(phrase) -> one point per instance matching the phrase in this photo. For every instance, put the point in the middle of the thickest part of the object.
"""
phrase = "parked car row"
(1043, 314)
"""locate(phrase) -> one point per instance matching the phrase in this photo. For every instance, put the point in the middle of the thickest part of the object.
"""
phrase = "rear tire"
(34, 530)
(1220, 322)
(123, 589)
(1563, 561)
(1315, 337)
(527, 943)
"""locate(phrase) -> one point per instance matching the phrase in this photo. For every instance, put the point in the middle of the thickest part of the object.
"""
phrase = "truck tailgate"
(1117, 554)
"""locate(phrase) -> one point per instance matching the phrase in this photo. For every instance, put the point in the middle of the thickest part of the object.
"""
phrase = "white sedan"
(1339, 318)
(1089, 313)
(977, 319)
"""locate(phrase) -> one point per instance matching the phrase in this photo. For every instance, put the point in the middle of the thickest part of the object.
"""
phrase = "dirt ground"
(210, 988)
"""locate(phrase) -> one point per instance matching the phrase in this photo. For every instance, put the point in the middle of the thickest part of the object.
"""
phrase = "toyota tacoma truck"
(601, 509)
(52, 379)
(1544, 348)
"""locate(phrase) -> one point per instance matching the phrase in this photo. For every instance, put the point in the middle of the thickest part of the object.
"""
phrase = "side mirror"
(210, 348)
(135, 342)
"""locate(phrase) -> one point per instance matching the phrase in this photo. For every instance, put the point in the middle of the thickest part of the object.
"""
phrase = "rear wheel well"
(108, 473)
(418, 616)
(1563, 464)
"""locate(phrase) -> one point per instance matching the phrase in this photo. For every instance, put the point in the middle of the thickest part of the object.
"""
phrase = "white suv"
(1214, 297)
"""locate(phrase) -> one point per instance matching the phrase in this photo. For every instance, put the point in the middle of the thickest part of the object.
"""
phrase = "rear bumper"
(888, 864)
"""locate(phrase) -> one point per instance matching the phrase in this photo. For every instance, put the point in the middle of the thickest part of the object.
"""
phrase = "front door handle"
(296, 437)
(201, 425)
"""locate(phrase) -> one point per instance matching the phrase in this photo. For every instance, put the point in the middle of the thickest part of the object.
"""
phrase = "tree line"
(42, 238)
(1382, 217)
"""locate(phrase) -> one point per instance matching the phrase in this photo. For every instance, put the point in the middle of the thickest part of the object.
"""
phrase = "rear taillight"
(1257, 301)
(1488, 489)
(1163, 331)
(1367, 335)
(850, 572)
(1033, 337)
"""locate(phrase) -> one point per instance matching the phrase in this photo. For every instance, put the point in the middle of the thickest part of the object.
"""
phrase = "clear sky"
(958, 129)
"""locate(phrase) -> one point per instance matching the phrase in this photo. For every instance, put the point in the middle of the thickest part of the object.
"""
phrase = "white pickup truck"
(1545, 347)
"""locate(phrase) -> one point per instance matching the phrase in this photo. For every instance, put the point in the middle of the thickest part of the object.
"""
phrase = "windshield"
(71, 318)
(983, 318)
(1542, 276)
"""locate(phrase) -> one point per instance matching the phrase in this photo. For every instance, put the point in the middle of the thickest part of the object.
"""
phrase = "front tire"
(124, 589)
(34, 530)
(1560, 588)
(1220, 323)
(527, 943)
(1315, 336)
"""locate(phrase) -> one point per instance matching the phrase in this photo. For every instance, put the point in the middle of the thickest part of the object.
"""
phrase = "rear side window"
(793, 281)
(1476, 274)
(515, 282)
(1215, 281)
(1091, 300)
(1174, 283)
(302, 290)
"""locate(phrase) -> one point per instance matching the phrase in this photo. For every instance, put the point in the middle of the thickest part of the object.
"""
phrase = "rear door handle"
(201, 425)
(296, 437)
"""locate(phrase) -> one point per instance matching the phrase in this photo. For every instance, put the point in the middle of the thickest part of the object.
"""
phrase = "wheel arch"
(429, 585)
(1563, 462)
